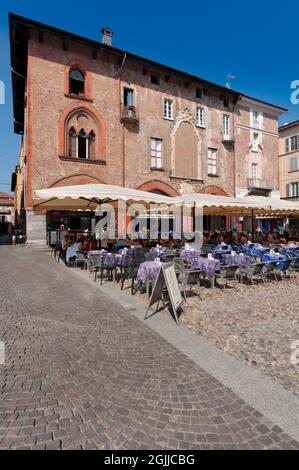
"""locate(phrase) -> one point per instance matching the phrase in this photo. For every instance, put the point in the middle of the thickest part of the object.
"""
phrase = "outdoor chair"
(81, 259)
(284, 268)
(254, 271)
(96, 265)
(129, 271)
(57, 251)
(226, 274)
(179, 264)
(189, 277)
(270, 268)
(295, 265)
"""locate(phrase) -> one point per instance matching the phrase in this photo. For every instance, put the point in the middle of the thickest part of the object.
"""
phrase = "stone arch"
(216, 190)
(186, 131)
(156, 185)
(83, 109)
(76, 179)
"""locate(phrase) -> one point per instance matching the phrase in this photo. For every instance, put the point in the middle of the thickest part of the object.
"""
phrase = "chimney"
(107, 36)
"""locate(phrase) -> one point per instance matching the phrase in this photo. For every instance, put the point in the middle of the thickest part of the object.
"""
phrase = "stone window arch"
(82, 135)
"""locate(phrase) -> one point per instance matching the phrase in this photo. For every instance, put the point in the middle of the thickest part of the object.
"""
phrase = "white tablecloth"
(71, 252)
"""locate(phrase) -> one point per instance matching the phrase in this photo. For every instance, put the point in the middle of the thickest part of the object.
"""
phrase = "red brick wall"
(49, 105)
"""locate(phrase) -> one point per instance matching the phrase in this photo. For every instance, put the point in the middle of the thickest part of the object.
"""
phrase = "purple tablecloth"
(148, 271)
(208, 266)
(243, 261)
(97, 252)
(189, 253)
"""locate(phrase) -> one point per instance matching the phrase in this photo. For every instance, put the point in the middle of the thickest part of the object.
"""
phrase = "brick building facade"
(89, 113)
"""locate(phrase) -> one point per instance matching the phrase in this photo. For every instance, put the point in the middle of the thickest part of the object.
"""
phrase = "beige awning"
(89, 196)
(224, 205)
(278, 207)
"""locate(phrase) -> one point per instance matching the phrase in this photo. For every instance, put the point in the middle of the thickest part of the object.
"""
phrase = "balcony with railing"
(130, 114)
(255, 183)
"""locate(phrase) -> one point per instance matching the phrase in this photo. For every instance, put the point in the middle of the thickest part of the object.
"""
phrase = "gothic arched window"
(82, 135)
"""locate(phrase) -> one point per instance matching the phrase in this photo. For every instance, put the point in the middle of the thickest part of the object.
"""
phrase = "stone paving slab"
(81, 372)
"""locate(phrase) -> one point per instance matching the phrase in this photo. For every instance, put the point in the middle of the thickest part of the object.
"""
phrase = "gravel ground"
(257, 325)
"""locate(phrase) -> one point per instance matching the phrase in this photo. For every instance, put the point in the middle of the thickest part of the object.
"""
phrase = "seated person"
(121, 244)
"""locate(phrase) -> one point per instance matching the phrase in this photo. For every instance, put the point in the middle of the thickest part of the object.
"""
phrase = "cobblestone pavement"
(257, 325)
(80, 372)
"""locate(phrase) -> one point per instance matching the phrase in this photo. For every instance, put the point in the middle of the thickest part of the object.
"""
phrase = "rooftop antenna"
(229, 79)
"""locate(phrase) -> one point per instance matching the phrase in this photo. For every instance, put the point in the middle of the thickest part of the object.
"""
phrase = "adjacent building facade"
(89, 113)
(7, 211)
(289, 166)
(289, 160)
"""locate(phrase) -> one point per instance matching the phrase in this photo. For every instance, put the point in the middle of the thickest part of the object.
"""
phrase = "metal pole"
(252, 225)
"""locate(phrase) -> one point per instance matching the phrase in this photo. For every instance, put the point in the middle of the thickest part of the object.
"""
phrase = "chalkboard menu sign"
(166, 282)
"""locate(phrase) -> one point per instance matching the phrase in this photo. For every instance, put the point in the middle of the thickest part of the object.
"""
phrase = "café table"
(222, 249)
(97, 252)
(187, 253)
(148, 272)
(208, 267)
(232, 260)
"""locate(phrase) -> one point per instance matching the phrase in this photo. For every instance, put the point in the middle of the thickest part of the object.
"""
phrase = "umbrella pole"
(252, 225)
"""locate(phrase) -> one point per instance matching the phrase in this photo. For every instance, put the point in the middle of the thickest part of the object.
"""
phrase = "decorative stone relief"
(185, 115)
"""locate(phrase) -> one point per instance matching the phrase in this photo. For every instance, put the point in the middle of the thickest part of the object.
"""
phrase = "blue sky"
(257, 43)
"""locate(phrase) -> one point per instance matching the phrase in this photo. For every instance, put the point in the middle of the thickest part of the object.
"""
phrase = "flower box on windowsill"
(81, 97)
(129, 114)
(83, 160)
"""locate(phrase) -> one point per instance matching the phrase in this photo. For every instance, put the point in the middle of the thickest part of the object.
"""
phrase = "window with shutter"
(293, 164)
(287, 144)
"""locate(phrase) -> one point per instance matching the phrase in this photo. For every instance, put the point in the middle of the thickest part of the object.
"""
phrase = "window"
(156, 153)
(255, 141)
(226, 126)
(293, 164)
(128, 97)
(83, 136)
(226, 102)
(256, 118)
(287, 144)
(155, 79)
(200, 117)
(254, 171)
(199, 93)
(91, 145)
(293, 189)
(81, 145)
(294, 143)
(212, 162)
(168, 109)
(72, 143)
(77, 82)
